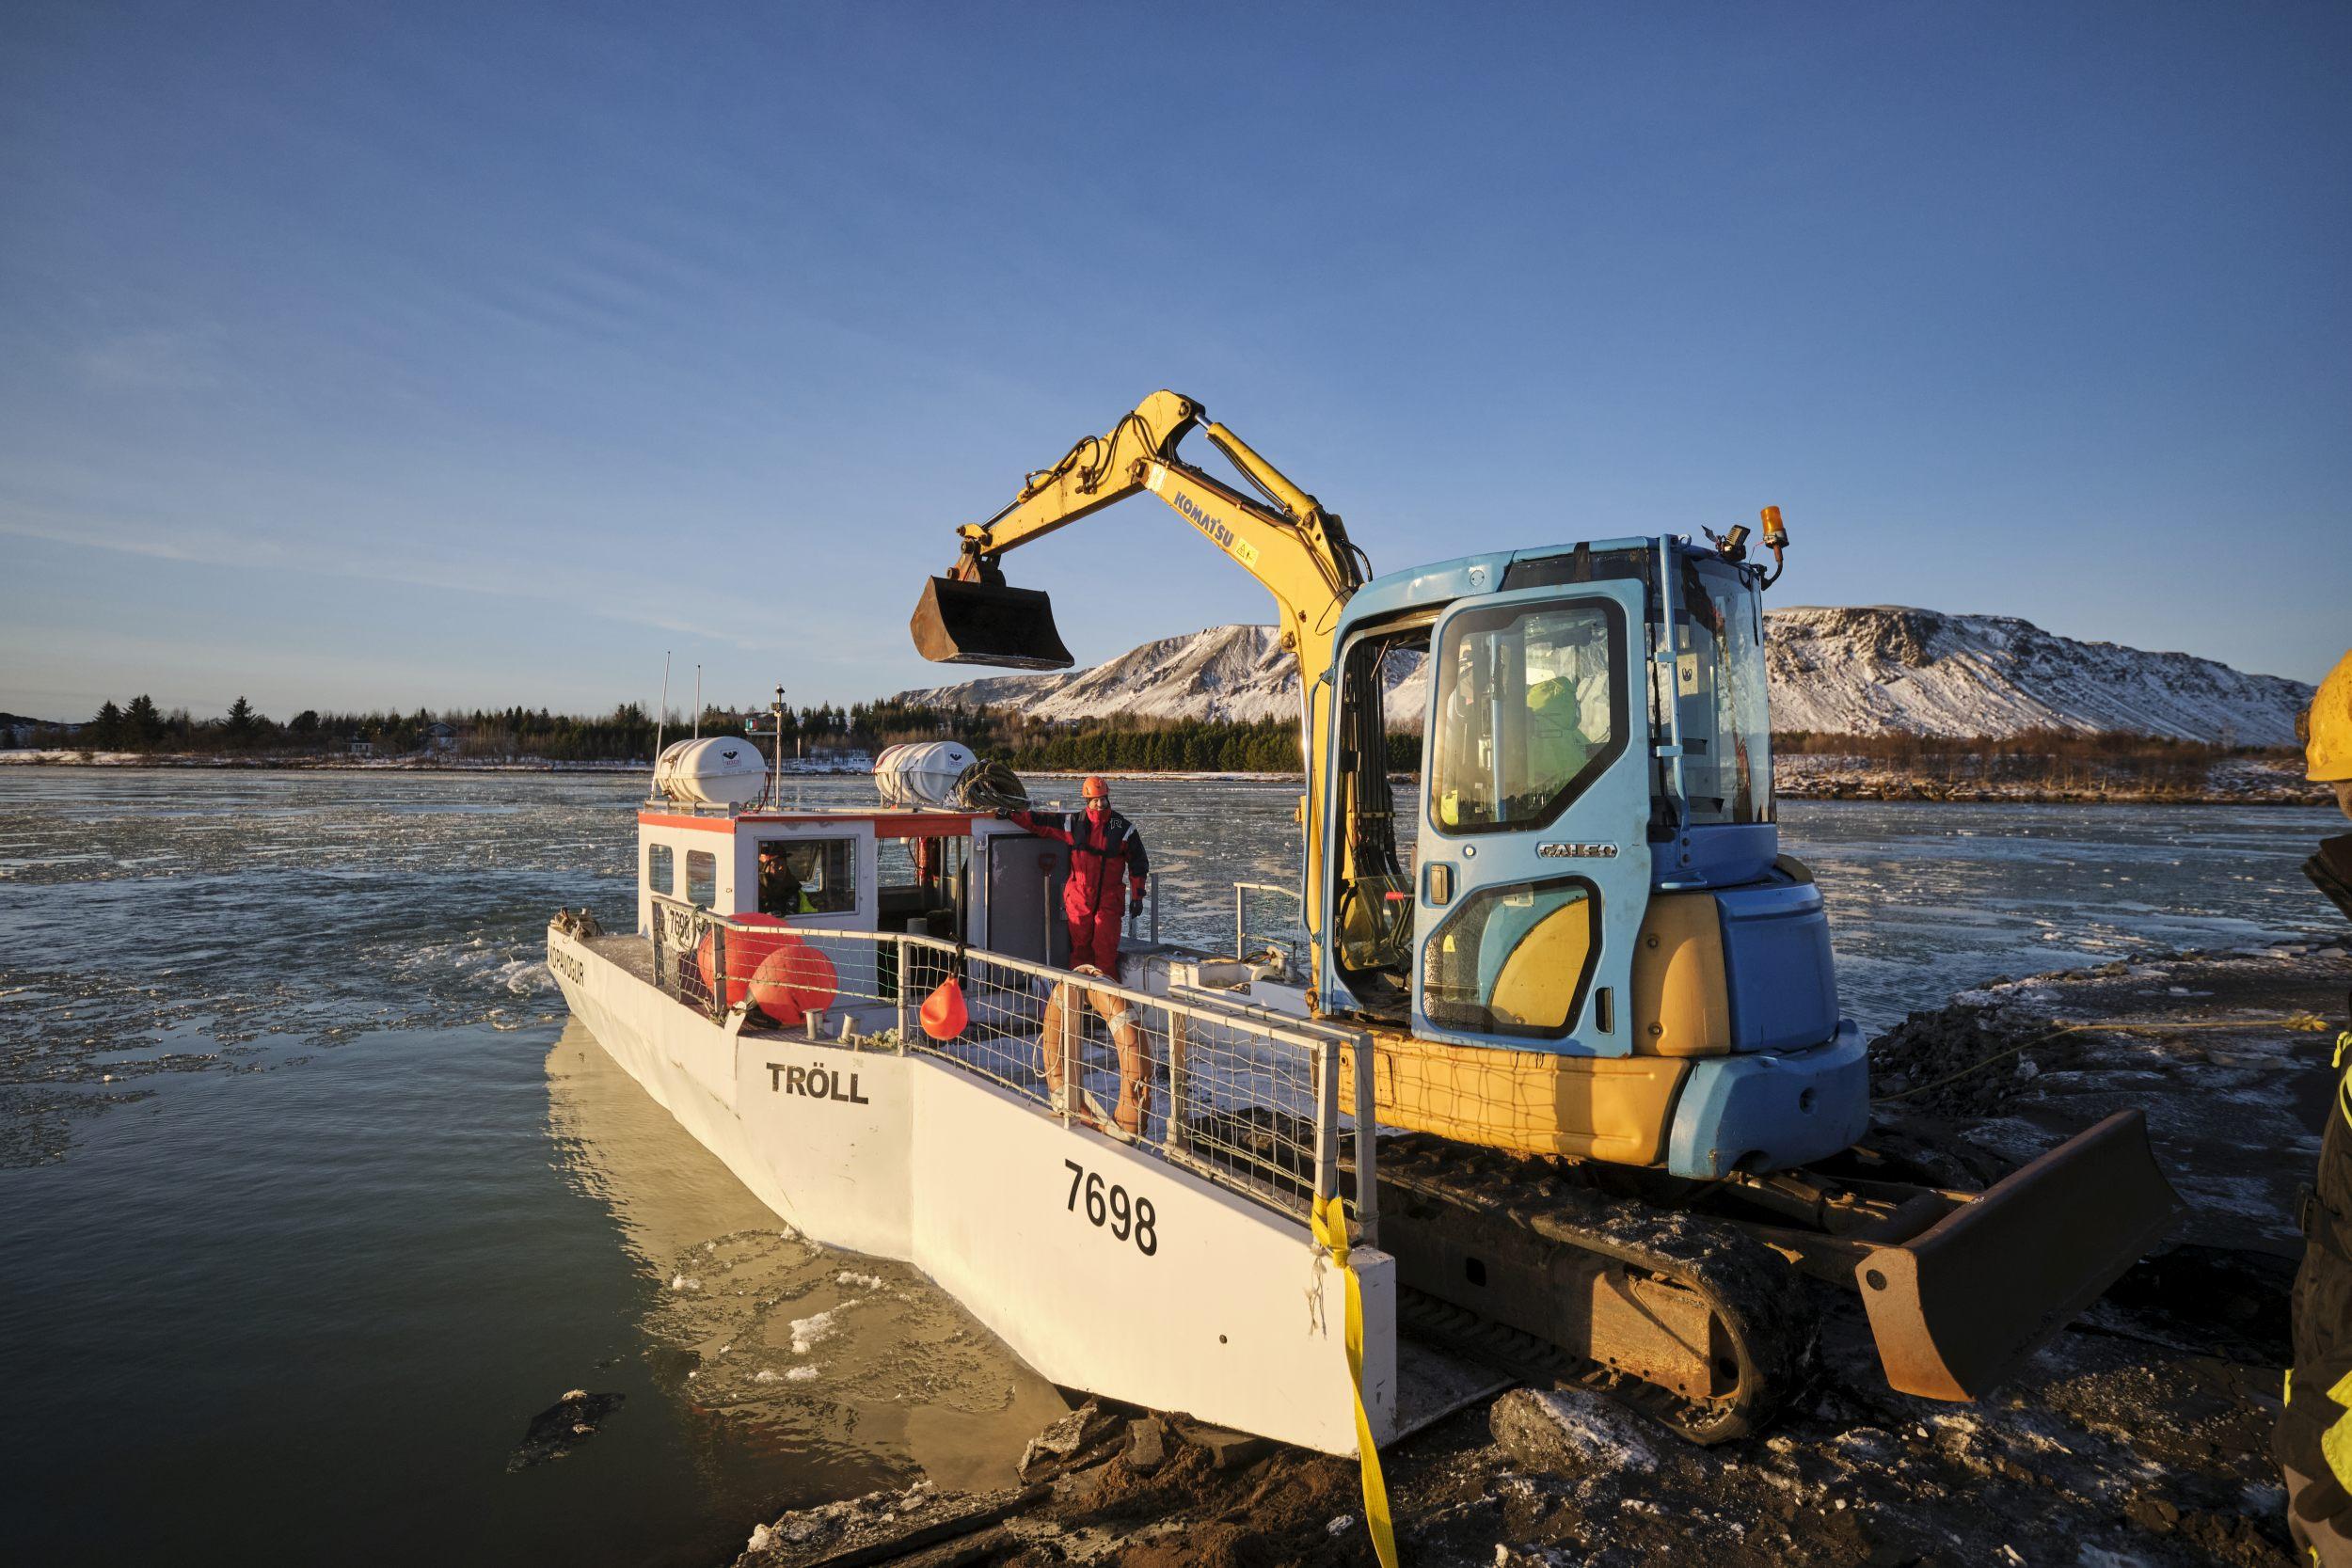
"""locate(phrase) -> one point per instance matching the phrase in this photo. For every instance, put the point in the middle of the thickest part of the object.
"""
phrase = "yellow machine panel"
(1538, 981)
(1681, 1005)
(1614, 1108)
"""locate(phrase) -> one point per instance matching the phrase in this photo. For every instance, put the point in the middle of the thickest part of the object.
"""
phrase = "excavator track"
(1524, 1264)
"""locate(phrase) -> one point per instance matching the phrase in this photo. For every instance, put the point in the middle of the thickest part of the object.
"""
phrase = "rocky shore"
(2138, 1437)
(2233, 781)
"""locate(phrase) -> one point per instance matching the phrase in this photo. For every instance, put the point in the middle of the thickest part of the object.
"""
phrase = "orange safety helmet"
(1094, 788)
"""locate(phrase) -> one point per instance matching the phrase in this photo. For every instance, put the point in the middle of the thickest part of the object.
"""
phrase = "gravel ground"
(2137, 1437)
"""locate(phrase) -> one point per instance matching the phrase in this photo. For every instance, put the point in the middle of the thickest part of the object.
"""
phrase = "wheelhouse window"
(661, 870)
(1719, 690)
(1530, 709)
(702, 878)
(808, 876)
(1514, 959)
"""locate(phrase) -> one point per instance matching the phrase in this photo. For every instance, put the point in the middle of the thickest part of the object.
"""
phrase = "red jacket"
(1095, 852)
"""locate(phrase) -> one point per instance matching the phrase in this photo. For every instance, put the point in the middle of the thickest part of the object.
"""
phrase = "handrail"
(1241, 926)
(1192, 1061)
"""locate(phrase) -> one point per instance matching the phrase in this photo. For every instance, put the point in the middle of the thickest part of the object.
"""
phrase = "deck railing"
(1284, 941)
(1275, 1108)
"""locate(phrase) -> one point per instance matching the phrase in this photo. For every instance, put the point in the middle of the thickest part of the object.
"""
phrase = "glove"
(2297, 1443)
(1002, 815)
(1135, 908)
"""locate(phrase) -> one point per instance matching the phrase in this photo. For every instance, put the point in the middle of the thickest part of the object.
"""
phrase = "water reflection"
(850, 1372)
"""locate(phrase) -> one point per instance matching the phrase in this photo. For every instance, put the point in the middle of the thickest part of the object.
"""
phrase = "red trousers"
(1094, 940)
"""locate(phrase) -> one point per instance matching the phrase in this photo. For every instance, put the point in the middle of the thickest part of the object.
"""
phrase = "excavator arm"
(1286, 540)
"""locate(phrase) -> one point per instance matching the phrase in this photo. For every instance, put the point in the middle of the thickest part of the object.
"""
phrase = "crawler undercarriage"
(1684, 1296)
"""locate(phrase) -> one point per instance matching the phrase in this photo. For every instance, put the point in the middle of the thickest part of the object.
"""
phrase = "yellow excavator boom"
(1287, 541)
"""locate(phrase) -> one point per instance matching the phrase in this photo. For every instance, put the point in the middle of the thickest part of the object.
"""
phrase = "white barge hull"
(1105, 1268)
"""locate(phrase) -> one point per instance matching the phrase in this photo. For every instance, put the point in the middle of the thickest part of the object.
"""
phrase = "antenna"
(699, 701)
(777, 712)
(664, 718)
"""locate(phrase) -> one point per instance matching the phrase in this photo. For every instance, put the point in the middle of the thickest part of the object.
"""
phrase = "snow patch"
(808, 1332)
(1603, 1431)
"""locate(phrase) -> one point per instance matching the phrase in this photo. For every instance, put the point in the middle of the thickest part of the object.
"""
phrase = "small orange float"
(944, 1014)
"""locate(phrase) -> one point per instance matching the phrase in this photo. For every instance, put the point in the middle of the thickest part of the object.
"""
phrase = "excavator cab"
(958, 622)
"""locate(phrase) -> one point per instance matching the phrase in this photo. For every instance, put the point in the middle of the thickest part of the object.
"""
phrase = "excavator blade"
(1961, 1305)
(976, 622)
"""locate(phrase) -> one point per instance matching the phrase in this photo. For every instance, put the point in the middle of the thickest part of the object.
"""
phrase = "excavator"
(1621, 1111)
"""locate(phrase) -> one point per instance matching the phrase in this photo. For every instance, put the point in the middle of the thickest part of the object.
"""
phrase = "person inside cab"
(781, 890)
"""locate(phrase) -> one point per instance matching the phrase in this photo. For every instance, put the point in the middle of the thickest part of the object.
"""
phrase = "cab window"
(661, 870)
(1719, 688)
(1530, 709)
(702, 878)
(808, 876)
(1513, 961)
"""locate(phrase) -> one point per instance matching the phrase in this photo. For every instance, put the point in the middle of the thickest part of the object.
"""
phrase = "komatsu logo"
(1219, 532)
(1577, 851)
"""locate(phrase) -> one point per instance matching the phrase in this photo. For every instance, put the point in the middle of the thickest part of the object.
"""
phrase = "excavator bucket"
(977, 622)
(1961, 1305)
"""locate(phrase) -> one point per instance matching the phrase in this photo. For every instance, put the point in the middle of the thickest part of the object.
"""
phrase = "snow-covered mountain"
(1874, 669)
(1863, 669)
(1235, 672)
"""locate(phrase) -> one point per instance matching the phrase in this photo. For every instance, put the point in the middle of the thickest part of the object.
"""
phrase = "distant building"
(363, 748)
(440, 738)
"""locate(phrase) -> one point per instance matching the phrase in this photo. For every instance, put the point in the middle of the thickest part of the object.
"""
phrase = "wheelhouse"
(954, 875)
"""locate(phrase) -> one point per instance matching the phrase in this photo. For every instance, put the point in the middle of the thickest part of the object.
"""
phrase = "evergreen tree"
(241, 725)
(106, 728)
(146, 725)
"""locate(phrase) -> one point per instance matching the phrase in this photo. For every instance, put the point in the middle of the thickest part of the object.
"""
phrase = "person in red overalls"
(1101, 841)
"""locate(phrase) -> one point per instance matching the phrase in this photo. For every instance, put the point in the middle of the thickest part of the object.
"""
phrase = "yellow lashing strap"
(2335, 1444)
(1330, 1226)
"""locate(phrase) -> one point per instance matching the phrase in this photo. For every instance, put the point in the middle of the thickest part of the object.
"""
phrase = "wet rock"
(1228, 1451)
(563, 1426)
(1953, 1059)
(1147, 1445)
(876, 1527)
(1571, 1432)
(1068, 1441)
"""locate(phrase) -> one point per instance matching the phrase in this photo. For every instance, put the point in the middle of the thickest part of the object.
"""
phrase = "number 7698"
(1129, 1219)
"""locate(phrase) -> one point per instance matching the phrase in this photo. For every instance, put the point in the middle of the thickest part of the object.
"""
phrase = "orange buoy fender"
(944, 1013)
(745, 952)
(794, 981)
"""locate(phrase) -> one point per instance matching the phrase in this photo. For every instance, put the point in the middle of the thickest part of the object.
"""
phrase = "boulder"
(1569, 1431)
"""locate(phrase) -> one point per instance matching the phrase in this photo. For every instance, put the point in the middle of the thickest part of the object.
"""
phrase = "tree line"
(1116, 743)
(2041, 757)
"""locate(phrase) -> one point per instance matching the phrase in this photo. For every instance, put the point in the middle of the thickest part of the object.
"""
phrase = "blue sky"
(454, 354)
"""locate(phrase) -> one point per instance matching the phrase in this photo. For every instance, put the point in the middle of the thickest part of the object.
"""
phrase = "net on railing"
(1245, 1097)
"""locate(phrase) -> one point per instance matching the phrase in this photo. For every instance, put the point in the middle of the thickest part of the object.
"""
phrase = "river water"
(311, 1199)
